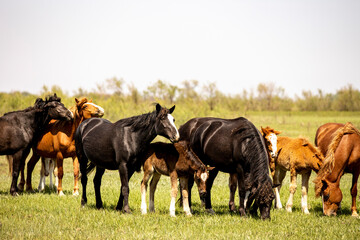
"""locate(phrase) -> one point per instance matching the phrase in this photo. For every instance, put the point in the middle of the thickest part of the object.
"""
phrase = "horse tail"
(10, 162)
(329, 161)
(90, 168)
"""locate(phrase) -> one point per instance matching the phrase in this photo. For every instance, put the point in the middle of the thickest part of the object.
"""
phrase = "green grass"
(45, 215)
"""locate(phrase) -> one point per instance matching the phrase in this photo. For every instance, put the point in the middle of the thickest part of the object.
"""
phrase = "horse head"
(165, 123)
(87, 109)
(270, 137)
(331, 195)
(263, 196)
(53, 108)
(200, 177)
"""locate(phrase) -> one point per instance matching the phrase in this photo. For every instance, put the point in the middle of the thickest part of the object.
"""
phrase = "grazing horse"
(117, 146)
(233, 146)
(341, 144)
(19, 130)
(177, 161)
(298, 156)
(270, 138)
(57, 142)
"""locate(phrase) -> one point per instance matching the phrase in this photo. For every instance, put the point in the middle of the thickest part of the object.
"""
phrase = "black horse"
(233, 146)
(20, 129)
(116, 146)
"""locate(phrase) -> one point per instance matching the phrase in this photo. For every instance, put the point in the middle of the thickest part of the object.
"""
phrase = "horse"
(341, 146)
(57, 142)
(270, 138)
(177, 161)
(19, 130)
(298, 156)
(233, 146)
(117, 146)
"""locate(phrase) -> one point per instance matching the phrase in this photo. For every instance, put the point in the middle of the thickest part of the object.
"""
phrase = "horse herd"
(256, 160)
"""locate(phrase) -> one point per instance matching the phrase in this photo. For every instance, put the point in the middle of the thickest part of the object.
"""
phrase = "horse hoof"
(61, 194)
(15, 194)
(210, 211)
(20, 188)
(354, 214)
(76, 193)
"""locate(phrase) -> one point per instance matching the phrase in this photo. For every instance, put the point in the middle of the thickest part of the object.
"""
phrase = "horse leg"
(173, 194)
(153, 183)
(278, 179)
(41, 186)
(83, 165)
(76, 176)
(51, 172)
(97, 184)
(16, 165)
(22, 177)
(293, 186)
(59, 163)
(125, 175)
(354, 194)
(212, 175)
(185, 195)
(144, 183)
(30, 167)
(304, 191)
(232, 187)
(242, 191)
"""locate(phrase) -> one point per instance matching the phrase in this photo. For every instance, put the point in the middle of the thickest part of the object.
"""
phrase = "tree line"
(122, 98)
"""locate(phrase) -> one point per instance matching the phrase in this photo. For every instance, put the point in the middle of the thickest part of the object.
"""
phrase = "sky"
(297, 45)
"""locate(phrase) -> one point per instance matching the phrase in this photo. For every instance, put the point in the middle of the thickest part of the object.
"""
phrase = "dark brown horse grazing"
(177, 161)
(341, 144)
(57, 142)
(233, 146)
(19, 130)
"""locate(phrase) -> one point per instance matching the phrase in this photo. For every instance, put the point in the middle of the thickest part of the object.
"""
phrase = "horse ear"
(277, 132)
(263, 129)
(172, 109)
(76, 100)
(210, 168)
(158, 108)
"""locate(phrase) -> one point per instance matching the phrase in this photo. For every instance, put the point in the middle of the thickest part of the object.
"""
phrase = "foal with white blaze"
(177, 161)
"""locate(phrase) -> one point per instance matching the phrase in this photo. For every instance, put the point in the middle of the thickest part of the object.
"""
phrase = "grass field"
(45, 215)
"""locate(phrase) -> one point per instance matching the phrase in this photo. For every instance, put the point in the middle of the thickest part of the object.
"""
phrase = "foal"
(177, 161)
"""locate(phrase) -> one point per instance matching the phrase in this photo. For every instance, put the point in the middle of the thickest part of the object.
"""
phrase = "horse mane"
(257, 153)
(191, 155)
(38, 105)
(258, 181)
(329, 161)
(142, 121)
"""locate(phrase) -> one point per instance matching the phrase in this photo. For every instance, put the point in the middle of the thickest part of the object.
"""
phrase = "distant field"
(45, 215)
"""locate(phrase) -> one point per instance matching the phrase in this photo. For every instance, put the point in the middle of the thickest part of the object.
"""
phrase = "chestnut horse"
(298, 156)
(341, 144)
(57, 142)
(177, 161)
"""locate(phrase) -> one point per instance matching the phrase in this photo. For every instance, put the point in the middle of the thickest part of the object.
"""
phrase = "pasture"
(46, 215)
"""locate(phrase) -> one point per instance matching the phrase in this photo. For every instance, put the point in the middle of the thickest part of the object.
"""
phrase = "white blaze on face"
(203, 177)
(171, 120)
(273, 142)
(101, 110)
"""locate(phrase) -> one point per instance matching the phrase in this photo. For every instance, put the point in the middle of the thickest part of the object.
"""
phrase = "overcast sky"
(298, 45)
